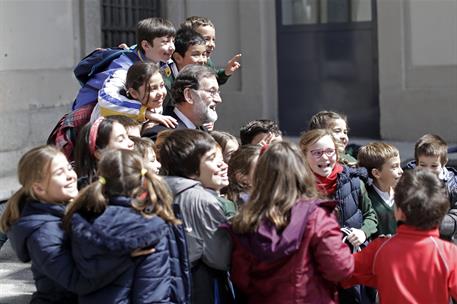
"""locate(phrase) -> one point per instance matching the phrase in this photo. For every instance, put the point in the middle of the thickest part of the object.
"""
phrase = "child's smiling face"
(321, 156)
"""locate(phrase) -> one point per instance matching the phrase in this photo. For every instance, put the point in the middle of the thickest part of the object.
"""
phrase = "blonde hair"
(34, 166)
(122, 172)
(281, 178)
(375, 155)
(312, 136)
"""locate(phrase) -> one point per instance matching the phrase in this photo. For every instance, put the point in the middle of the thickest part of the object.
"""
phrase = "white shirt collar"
(189, 124)
(386, 197)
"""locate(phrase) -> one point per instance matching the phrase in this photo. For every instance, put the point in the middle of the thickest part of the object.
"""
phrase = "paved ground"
(16, 283)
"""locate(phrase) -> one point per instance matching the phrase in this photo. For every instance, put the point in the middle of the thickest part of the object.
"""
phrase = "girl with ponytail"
(130, 207)
(33, 222)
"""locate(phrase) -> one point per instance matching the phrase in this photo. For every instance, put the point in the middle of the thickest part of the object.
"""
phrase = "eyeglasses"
(212, 92)
(319, 153)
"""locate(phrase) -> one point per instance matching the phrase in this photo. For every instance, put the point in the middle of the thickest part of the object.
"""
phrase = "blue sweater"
(161, 277)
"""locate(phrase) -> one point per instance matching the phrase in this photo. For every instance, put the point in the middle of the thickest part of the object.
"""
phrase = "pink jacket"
(300, 264)
(413, 266)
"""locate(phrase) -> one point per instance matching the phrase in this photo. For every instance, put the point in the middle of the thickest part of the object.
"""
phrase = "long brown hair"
(34, 166)
(280, 179)
(123, 172)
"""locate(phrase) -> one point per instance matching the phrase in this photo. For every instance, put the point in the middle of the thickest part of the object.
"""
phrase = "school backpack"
(64, 134)
(98, 61)
(66, 130)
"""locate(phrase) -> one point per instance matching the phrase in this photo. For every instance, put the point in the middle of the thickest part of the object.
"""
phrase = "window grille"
(119, 19)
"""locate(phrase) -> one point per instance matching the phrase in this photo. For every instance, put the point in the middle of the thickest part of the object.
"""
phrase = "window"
(325, 11)
(119, 19)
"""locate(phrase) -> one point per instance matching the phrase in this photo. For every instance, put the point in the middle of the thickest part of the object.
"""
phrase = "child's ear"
(399, 215)
(375, 172)
(97, 154)
(134, 94)
(38, 189)
(145, 45)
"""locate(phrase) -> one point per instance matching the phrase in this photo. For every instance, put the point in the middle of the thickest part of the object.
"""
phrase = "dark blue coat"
(38, 236)
(347, 195)
(161, 277)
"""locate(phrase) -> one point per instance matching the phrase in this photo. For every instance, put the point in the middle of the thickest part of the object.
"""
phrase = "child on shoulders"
(138, 93)
(206, 28)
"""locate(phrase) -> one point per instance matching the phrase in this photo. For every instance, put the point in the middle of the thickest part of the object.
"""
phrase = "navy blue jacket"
(161, 277)
(38, 236)
(354, 207)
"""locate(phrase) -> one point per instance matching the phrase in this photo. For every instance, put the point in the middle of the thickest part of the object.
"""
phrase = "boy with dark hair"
(413, 266)
(382, 162)
(155, 43)
(190, 48)
(189, 159)
(430, 152)
(261, 132)
(205, 27)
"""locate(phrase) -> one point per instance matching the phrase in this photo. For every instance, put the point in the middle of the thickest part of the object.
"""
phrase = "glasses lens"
(329, 152)
(317, 153)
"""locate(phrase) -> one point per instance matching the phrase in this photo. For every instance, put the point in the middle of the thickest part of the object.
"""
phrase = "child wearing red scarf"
(355, 213)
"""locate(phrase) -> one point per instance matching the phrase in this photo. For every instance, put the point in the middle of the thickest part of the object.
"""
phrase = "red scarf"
(327, 185)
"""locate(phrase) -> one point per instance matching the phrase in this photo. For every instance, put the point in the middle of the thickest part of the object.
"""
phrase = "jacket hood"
(268, 244)
(34, 215)
(119, 228)
(360, 172)
(179, 184)
(447, 174)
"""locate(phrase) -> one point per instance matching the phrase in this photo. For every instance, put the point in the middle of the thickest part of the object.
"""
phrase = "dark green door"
(327, 60)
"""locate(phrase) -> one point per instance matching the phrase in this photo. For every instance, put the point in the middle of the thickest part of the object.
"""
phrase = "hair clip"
(143, 171)
(149, 209)
(102, 180)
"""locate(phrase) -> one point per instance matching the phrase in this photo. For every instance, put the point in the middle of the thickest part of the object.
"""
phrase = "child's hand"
(142, 251)
(357, 237)
(232, 65)
(167, 121)
(266, 140)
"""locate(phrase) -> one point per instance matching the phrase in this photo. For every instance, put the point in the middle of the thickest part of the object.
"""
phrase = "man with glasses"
(196, 94)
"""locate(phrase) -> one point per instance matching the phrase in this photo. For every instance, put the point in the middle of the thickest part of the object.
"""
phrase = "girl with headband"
(129, 207)
(103, 133)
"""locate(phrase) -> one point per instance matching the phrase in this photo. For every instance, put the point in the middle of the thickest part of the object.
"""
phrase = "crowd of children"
(187, 214)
